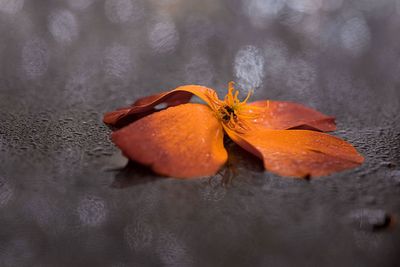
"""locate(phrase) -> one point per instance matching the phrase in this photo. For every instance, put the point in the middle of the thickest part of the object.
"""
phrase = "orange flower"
(186, 139)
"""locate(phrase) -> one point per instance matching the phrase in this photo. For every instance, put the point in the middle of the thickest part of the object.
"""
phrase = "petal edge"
(282, 115)
(146, 105)
(183, 141)
(299, 153)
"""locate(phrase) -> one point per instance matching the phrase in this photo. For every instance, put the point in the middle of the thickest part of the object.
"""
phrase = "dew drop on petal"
(249, 68)
(355, 36)
(63, 26)
(35, 58)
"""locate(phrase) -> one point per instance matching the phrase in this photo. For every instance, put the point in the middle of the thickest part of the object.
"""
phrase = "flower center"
(226, 112)
(235, 114)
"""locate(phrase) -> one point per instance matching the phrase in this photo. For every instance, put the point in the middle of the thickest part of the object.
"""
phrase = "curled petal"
(147, 105)
(169, 99)
(299, 153)
(278, 115)
(182, 141)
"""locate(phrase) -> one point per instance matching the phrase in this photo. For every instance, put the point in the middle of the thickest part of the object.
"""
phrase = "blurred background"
(65, 198)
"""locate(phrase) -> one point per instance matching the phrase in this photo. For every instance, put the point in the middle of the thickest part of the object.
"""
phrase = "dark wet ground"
(65, 198)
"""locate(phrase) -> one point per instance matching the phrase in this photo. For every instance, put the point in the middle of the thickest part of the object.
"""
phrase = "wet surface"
(66, 197)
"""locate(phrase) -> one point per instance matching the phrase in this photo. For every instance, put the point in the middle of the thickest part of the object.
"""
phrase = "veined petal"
(146, 105)
(279, 115)
(182, 141)
(299, 153)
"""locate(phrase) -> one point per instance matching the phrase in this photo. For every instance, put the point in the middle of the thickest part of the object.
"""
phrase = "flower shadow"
(134, 174)
(239, 164)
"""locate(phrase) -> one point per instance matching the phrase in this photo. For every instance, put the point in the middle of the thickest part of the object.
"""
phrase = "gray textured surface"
(64, 63)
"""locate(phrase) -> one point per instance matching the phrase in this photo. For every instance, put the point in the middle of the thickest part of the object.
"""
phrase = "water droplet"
(161, 106)
(387, 164)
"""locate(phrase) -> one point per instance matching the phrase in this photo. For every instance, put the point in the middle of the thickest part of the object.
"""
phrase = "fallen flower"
(185, 140)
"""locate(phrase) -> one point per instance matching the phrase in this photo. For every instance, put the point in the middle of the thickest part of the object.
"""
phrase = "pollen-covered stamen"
(227, 113)
(235, 114)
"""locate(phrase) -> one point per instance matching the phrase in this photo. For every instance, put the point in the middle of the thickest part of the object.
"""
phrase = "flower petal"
(182, 141)
(145, 106)
(299, 153)
(280, 115)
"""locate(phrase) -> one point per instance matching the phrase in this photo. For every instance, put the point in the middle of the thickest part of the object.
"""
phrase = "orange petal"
(145, 106)
(172, 100)
(182, 141)
(280, 115)
(299, 153)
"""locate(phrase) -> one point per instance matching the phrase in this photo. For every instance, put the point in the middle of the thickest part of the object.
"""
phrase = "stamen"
(235, 114)
(250, 93)
(231, 86)
(235, 98)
